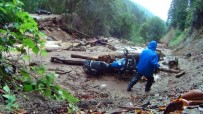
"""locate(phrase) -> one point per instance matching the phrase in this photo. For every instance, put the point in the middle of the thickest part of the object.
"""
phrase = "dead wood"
(84, 57)
(62, 72)
(195, 102)
(193, 95)
(74, 32)
(169, 70)
(51, 49)
(68, 62)
(106, 58)
(47, 30)
(180, 74)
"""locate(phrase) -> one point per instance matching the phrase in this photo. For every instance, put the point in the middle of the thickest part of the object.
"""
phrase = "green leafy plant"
(10, 99)
(44, 83)
(18, 27)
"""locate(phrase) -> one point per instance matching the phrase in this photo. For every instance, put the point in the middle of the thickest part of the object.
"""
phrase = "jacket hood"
(152, 45)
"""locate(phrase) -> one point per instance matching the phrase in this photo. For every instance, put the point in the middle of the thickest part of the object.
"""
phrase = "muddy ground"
(107, 93)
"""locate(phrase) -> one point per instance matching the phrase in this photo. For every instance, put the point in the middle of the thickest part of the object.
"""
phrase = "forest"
(116, 18)
(22, 41)
(122, 18)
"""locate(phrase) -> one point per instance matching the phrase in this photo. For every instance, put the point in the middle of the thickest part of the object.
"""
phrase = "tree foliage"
(117, 18)
(152, 29)
(17, 27)
(185, 13)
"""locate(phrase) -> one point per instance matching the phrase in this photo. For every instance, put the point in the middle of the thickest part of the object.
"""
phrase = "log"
(180, 74)
(106, 58)
(48, 31)
(195, 102)
(51, 49)
(68, 62)
(83, 57)
(193, 95)
(169, 70)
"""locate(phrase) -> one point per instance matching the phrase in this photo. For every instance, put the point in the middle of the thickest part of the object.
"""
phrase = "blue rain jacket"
(148, 60)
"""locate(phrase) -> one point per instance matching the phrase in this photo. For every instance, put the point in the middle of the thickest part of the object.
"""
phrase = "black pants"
(135, 79)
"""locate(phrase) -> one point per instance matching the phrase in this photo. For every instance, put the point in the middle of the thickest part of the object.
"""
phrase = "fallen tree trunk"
(106, 58)
(68, 62)
(180, 74)
(169, 70)
(80, 62)
(84, 57)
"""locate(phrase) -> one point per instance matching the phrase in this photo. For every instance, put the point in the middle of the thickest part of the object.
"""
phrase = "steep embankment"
(192, 45)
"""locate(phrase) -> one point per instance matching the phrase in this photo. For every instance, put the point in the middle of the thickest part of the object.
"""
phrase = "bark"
(106, 58)
(169, 70)
(193, 95)
(68, 62)
(84, 57)
(180, 74)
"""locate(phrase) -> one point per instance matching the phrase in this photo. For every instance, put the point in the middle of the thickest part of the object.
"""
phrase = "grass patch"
(180, 36)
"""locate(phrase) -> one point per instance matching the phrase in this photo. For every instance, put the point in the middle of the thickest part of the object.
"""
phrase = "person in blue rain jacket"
(147, 64)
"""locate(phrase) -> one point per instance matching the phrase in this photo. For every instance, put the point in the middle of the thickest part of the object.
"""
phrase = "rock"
(93, 102)
(83, 104)
(188, 55)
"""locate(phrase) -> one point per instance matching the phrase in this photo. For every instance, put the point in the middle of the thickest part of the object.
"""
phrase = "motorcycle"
(120, 66)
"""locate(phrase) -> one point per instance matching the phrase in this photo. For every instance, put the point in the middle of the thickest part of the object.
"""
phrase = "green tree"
(153, 29)
(117, 18)
(177, 14)
(143, 31)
